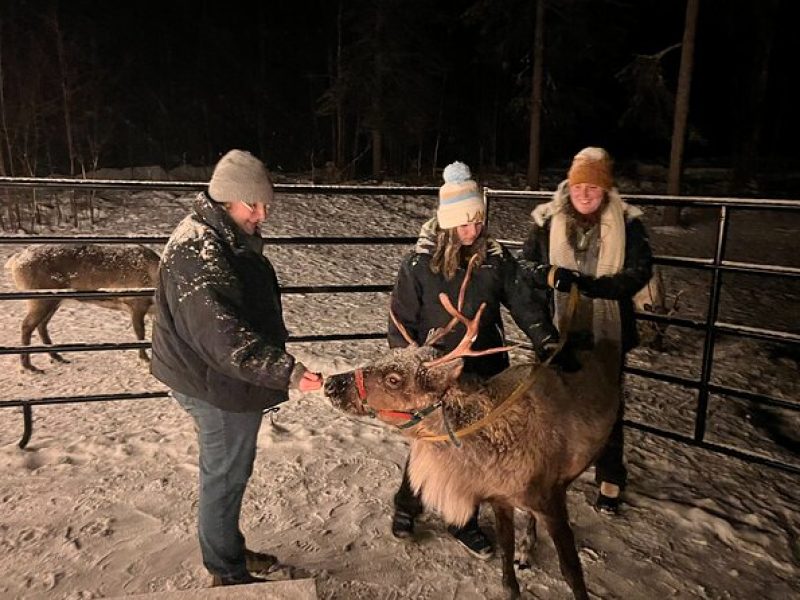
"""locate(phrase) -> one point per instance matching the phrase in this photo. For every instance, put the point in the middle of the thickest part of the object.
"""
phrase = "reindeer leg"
(137, 320)
(556, 520)
(504, 520)
(38, 311)
(45, 335)
(524, 556)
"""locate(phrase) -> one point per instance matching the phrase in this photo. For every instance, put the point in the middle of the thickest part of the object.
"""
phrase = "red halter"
(408, 415)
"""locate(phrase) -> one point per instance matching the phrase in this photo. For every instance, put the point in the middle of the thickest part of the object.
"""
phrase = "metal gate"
(711, 325)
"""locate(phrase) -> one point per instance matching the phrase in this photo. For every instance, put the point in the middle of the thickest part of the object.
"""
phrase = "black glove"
(565, 360)
(539, 275)
(562, 278)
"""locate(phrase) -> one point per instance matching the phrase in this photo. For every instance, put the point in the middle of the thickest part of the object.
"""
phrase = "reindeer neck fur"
(444, 474)
(553, 433)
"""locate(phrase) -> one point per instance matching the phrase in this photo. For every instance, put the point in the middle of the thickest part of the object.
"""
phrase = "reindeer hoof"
(522, 564)
(59, 358)
(31, 369)
(511, 592)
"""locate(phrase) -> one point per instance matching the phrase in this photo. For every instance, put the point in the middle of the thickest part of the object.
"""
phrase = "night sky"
(310, 82)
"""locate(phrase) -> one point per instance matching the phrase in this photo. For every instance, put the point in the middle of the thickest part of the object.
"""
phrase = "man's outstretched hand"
(310, 382)
(304, 380)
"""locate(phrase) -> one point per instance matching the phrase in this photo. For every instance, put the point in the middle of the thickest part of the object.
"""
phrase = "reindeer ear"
(444, 375)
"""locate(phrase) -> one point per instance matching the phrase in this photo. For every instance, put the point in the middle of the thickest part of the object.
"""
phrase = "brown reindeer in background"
(516, 441)
(82, 267)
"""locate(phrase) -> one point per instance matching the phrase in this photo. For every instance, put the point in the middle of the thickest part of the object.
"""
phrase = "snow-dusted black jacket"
(498, 281)
(218, 333)
(635, 273)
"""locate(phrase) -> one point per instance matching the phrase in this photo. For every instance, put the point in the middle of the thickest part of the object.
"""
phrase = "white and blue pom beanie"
(460, 201)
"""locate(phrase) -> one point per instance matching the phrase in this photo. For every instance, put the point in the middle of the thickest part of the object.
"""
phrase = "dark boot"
(407, 507)
(607, 501)
(219, 580)
(259, 562)
(473, 539)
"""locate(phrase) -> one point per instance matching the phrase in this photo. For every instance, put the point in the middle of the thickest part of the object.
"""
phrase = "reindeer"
(516, 441)
(652, 298)
(81, 267)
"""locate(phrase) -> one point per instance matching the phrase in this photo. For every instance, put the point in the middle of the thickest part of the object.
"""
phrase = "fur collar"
(544, 212)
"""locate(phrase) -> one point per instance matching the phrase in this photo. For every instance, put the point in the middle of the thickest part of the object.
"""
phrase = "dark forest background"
(393, 88)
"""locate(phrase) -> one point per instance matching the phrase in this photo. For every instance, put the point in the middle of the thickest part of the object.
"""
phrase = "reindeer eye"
(393, 380)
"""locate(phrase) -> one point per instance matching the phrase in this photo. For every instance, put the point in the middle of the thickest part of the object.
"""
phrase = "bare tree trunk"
(65, 90)
(439, 118)
(744, 174)
(377, 153)
(377, 116)
(339, 133)
(534, 152)
(261, 118)
(420, 143)
(672, 215)
(6, 142)
(494, 134)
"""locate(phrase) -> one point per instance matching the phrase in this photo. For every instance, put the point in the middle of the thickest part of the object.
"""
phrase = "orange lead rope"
(566, 319)
(524, 385)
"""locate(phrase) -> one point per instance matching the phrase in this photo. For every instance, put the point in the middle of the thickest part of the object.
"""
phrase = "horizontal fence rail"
(711, 325)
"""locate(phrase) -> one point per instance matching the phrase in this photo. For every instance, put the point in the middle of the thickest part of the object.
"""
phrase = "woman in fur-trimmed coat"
(596, 240)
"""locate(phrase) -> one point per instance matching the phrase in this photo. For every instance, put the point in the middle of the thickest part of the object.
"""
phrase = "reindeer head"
(396, 385)
(409, 383)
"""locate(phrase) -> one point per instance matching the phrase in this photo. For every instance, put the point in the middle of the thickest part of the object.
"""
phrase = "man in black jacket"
(219, 342)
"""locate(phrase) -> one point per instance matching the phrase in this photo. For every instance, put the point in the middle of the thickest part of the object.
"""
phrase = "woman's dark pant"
(610, 467)
(406, 501)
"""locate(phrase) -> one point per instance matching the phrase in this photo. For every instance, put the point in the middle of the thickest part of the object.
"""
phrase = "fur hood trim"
(544, 212)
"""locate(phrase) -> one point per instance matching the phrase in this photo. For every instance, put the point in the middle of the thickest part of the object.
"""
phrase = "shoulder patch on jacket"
(426, 243)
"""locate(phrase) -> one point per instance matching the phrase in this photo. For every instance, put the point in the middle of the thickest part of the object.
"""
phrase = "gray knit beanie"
(240, 176)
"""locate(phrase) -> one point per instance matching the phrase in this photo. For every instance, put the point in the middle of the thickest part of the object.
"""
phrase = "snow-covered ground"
(103, 500)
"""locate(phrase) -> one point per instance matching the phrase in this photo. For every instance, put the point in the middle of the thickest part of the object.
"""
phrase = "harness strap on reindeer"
(464, 349)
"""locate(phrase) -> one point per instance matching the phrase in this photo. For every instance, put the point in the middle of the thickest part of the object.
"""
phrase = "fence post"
(711, 319)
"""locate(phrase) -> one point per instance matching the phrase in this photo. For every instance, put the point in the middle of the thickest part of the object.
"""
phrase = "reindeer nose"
(336, 385)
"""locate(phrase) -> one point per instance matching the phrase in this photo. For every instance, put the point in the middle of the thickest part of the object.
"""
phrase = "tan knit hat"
(460, 202)
(594, 166)
(240, 176)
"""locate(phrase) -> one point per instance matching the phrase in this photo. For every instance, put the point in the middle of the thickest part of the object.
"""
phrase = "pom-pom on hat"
(240, 176)
(594, 166)
(460, 202)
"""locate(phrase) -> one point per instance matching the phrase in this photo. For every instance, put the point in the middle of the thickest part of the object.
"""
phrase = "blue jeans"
(227, 443)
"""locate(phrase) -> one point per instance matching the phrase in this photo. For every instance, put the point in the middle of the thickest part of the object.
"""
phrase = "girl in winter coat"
(438, 264)
(589, 236)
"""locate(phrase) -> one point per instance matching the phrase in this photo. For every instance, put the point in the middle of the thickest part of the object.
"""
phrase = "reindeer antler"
(403, 331)
(674, 308)
(443, 331)
(464, 346)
